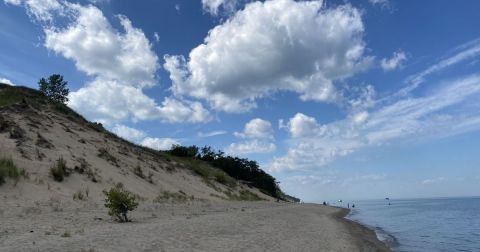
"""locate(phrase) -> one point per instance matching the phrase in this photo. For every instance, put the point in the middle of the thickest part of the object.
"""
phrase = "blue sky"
(337, 99)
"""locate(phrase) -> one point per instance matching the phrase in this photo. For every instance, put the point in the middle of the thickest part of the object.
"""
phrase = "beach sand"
(196, 226)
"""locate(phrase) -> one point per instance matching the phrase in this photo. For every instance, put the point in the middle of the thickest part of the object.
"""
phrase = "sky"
(337, 99)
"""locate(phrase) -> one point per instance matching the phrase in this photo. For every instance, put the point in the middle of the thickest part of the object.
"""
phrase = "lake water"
(441, 224)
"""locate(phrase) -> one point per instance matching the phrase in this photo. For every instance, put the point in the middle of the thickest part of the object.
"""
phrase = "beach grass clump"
(244, 195)
(59, 170)
(103, 153)
(174, 197)
(119, 202)
(139, 172)
(8, 169)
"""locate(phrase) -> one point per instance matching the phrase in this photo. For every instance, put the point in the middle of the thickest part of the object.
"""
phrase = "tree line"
(238, 168)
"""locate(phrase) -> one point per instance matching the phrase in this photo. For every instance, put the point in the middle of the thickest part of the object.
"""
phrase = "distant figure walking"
(324, 203)
(353, 205)
(348, 205)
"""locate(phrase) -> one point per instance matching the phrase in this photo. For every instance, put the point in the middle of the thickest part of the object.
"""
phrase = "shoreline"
(365, 237)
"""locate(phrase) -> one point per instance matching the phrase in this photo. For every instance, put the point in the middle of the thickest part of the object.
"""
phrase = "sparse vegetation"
(174, 197)
(139, 172)
(103, 153)
(59, 170)
(244, 195)
(8, 169)
(81, 195)
(119, 202)
(42, 142)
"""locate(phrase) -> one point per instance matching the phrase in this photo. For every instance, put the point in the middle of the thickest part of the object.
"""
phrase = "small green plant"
(59, 170)
(119, 202)
(9, 169)
(244, 195)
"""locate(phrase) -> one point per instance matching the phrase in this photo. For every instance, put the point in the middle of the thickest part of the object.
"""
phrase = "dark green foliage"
(59, 170)
(10, 170)
(182, 151)
(55, 88)
(119, 202)
(237, 168)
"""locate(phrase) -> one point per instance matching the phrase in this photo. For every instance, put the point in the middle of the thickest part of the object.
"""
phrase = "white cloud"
(159, 143)
(258, 135)
(6, 81)
(121, 64)
(156, 36)
(430, 181)
(250, 146)
(212, 133)
(382, 3)
(110, 100)
(303, 126)
(99, 50)
(467, 51)
(177, 7)
(128, 133)
(272, 46)
(313, 145)
(256, 129)
(214, 7)
(41, 10)
(396, 61)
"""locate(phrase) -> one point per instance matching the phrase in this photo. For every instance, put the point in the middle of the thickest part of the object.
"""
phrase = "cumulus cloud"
(121, 63)
(159, 143)
(99, 50)
(256, 128)
(272, 46)
(6, 81)
(258, 137)
(128, 133)
(394, 62)
(112, 101)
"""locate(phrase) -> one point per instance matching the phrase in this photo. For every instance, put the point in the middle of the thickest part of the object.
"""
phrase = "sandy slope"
(197, 226)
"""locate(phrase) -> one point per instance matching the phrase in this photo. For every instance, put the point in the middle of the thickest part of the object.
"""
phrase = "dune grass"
(8, 169)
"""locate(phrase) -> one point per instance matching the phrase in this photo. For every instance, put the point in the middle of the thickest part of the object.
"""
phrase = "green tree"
(119, 202)
(55, 88)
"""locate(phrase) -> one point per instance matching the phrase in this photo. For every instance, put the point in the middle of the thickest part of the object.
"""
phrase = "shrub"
(59, 170)
(119, 202)
(9, 169)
